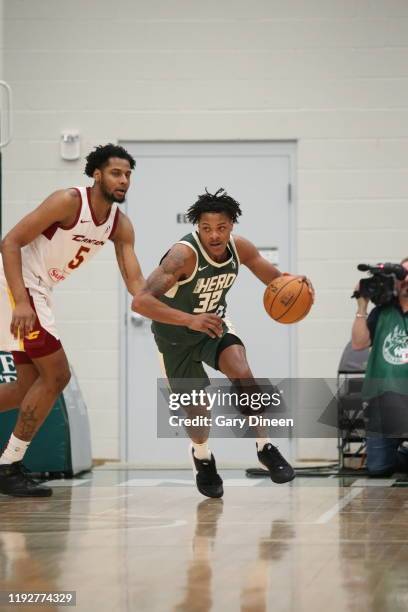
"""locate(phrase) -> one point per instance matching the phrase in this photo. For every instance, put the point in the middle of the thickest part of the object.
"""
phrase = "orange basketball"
(287, 299)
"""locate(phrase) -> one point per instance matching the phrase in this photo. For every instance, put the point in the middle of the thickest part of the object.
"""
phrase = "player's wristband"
(361, 316)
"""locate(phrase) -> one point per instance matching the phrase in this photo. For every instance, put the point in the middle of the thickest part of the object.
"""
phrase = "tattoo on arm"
(174, 261)
(162, 279)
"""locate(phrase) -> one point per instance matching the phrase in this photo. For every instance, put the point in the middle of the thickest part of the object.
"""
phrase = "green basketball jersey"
(387, 367)
(204, 291)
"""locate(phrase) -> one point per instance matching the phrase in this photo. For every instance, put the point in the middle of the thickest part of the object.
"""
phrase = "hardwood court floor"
(147, 541)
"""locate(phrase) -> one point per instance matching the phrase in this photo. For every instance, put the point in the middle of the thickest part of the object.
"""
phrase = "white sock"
(14, 451)
(260, 443)
(201, 451)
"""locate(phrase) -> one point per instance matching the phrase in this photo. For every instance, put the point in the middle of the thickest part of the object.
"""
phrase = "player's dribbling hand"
(306, 280)
(310, 286)
(210, 324)
(23, 320)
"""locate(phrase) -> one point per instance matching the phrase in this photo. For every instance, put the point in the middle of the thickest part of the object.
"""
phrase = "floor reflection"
(257, 581)
(27, 563)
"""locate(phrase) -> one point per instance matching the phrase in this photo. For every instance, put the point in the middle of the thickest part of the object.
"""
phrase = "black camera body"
(381, 286)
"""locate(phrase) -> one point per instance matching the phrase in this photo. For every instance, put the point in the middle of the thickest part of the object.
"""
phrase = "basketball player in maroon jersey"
(45, 247)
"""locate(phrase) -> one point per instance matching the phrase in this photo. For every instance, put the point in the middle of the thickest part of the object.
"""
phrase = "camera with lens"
(381, 286)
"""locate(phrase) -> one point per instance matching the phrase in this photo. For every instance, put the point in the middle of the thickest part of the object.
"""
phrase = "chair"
(351, 408)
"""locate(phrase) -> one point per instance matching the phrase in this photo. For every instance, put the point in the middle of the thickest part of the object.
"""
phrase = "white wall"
(1, 37)
(332, 74)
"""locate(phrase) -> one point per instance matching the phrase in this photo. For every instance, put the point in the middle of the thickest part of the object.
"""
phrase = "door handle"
(137, 319)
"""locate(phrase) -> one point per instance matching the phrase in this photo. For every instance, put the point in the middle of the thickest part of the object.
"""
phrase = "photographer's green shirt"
(387, 367)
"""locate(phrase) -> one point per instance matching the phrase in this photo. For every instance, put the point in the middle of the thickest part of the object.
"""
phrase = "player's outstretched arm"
(252, 258)
(261, 267)
(59, 207)
(177, 265)
(124, 241)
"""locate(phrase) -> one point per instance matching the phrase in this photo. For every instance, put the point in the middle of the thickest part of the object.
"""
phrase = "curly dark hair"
(99, 157)
(219, 202)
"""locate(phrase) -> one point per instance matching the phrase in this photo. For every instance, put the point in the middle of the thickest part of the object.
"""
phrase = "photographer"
(385, 387)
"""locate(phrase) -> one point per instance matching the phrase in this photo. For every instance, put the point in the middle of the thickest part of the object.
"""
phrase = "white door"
(167, 179)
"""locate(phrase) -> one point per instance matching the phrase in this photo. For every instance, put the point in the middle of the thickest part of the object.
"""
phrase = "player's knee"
(56, 383)
(240, 372)
(63, 379)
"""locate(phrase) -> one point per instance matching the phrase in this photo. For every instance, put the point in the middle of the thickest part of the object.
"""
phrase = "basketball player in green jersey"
(185, 297)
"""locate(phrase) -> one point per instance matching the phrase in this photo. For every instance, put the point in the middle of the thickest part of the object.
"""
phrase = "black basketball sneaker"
(15, 481)
(208, 480)
(279, 469)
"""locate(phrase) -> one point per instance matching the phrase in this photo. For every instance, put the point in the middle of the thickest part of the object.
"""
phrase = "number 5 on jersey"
(78, 259)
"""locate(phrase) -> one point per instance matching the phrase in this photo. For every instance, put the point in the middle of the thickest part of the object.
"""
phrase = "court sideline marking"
(342, 503)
